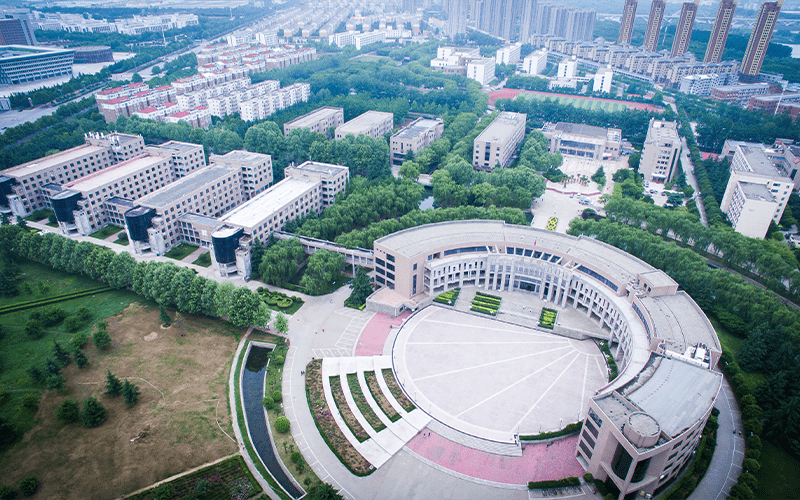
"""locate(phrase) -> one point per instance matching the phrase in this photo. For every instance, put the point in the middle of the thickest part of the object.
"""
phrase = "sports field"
(589, 103)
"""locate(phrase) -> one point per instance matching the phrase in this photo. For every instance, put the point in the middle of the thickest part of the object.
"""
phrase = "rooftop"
(53, 160)
(581, 129)
(502, 127)
(11, 52)
(320, 168)
(110, 174)
(199, 219)
(757, 161)
(267, 203)
(239, 155)
(680, 322)
(313, 117)
(363, 121)
(416, 128)
(179, 148)
(183, 187)
(755, 191)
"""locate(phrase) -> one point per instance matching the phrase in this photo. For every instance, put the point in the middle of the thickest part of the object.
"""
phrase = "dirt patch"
(182, 375)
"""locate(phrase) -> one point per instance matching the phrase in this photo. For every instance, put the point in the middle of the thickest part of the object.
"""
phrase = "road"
(688, 168)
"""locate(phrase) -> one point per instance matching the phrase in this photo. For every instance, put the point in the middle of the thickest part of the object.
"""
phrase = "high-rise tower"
(626, 22)
(654, 24)
(719, 33)
(456, 17)
(683, 32)
(759, 40)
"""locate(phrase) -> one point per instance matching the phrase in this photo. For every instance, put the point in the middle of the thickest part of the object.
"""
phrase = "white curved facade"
(664, 346)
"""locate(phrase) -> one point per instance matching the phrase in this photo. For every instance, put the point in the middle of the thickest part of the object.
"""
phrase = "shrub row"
(569, 429)
(558, 483)
(449, 297)
(487, 296)
(21, 306)
(547, 319)
(484, 310)
(612, 364)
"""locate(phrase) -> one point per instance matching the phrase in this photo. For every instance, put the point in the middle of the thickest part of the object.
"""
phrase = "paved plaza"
(491, 379)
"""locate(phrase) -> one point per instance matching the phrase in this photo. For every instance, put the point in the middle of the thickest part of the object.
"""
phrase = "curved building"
(643, 426)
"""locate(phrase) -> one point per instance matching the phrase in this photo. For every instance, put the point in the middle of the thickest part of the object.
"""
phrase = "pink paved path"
(512, 93)
(371, 341)
(537, 463)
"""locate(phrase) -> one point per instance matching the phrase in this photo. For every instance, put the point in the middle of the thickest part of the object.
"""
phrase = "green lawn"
(41, 214)
(777, 478)
(204, 260)
(105, 232)
(122, 239)
(181, 251)
(19, 352)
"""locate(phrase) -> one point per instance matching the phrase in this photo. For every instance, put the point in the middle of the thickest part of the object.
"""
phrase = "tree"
(322, 268)
(93, 413)
(362, 288)
(281, 323)
(136, 78)
(243, 307)
(101, 338)
(163, 315)
(60, 354)
(155, 70)
(130, 393)
(69, 411)
(113, 384)
(222, 298)
(323, 491)
(34, 329)
(80, 358)
(28, 486)
(409, 170)
(55, 382)
(120, 270)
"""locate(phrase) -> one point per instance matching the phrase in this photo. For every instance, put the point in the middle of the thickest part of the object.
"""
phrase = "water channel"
(252, 393)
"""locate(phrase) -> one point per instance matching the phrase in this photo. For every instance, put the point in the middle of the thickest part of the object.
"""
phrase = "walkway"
(688, 168)
(729, 454)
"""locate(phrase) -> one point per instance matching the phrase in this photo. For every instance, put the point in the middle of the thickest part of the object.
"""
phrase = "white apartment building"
(375, 124)
(317, 121)
(535, 62)
(261, 107)
(481, 70)
(496, 145)
(757, 191)
(661, 151)
(699, 84)
(510, 54)
(602, 80)
(566, 68)
(364, 39)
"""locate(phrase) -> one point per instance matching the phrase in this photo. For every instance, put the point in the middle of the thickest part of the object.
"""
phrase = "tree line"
(163, 282)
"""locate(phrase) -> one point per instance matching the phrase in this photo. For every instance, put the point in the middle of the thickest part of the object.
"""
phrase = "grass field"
(204, 260)
(579, 103)
(181, 251)
(105, 232)
(777, 478)
(182, 373)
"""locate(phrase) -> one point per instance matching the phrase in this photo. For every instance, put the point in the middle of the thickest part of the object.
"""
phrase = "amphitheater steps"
(506, 449)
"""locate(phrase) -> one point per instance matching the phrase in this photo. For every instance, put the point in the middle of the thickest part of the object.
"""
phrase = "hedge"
(484, 310)
(21, 306)
(569, 429)
(558, 483)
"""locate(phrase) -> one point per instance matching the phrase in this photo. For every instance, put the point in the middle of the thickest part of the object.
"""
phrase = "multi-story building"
(661, 151)
(699, 84)
(535, 62)
(481, 70)
(640, 429)
(496, 145)
(263, 106)
(25, 182)
(759, 40)
(770, 103)
(363, 39)
(185, 157)
(16, 31)
(719, 32)
(683, 32)
(509, 54)
(311, 186)
(585, 141)
(375, 124)
(602, 80)
(757, 191)
(415, 136)
(131, 98)
(566, 68)
(457, 17)
(654, 24)
(22, 63)
(255, 169)
(567, 22)
(196, 117)
(319, 120)
(626, 22)
(739, 94)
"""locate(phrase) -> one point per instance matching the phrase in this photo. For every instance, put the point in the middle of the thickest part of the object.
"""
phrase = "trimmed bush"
(29, 485)
(277, 396)
(8, 493)
(296, 456)
(279, 360)
(282, 424)
(268, 402)
(558, 483)
(569, 429)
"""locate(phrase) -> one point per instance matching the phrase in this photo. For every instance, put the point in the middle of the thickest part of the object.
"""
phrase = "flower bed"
(361, 403)
(396, 391)
(229, 479)
(486, 304)
(345, 411)
(449, 297)
(552, 223)
(375, 390)
(548, 318)
(326, 425)
(279, 300)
